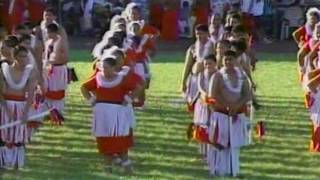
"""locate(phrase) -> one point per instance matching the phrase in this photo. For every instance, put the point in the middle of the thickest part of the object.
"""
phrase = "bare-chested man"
(55, 68)
(193, 63)
(26, 42)
(49, 17)
(18, 92)
(228, 126)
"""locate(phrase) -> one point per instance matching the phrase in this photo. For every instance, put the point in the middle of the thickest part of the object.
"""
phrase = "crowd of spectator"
(268, 19)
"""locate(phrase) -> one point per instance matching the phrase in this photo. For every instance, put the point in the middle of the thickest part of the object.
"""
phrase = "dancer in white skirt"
(55, 68)
(311, 87)
(111, 118)
(139, 45)
(202, 111)
(18, 94)
(193, 63)
(228, 124)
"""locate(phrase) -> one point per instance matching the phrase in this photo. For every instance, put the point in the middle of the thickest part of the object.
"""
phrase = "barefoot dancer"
(228, 126)
(112, 119)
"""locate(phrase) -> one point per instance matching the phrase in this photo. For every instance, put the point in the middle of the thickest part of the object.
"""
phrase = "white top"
(202, 50)
(103, 82)
(227, 81)
(6, 69)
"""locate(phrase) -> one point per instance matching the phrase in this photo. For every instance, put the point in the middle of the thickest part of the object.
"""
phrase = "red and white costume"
(55, 77)
(112, 121)
(12, 155)
(202, 112)
(313, 104)
(229, 132)
(139, 52)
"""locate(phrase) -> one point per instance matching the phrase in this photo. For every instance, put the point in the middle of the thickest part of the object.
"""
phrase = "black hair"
(120, 36)
(24, 37)
(53, 28)
(110, 61)
(137, 7)
(19, 49)
(11, 41)
(119, 52)
(115, 41)
(236, 5)
(224, 41)
(228, 29)
(202, 28)
(210, 57)
(236, 16)
(239, 45)
(185, 4)
(136, 24)
(315, 14)
(239, 29)
(230, 53)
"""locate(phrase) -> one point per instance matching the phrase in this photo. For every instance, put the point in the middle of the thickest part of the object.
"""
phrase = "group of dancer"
(307, 38)
(121, 74)
(34, 78)
(219, 90)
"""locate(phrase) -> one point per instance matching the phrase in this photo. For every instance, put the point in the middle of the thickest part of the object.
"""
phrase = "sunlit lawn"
(161, 150)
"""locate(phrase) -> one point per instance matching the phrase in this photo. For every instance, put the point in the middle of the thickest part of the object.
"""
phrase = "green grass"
(161, 150)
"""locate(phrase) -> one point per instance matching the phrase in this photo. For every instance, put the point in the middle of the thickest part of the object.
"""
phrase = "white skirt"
(201, 113)
(13, 157)
(56, 78)
(223, 162)
(111, 120)
(315, 109)
(192, 88)
(130, 110)
(231, 133)
(15, 134)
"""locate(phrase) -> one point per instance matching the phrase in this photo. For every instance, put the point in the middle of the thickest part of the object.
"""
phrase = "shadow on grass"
(161, 149)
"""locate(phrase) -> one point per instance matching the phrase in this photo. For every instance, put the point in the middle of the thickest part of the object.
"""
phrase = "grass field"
(161, 150)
